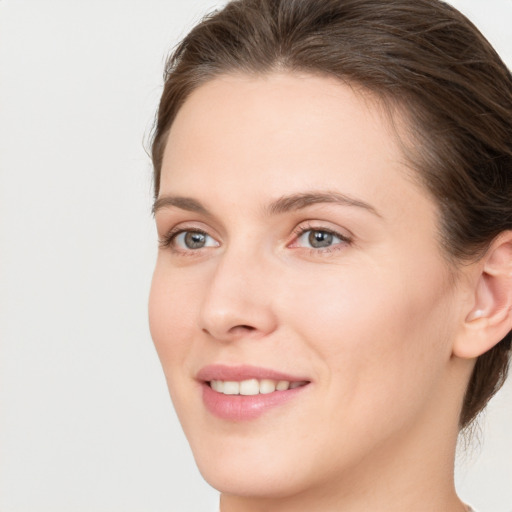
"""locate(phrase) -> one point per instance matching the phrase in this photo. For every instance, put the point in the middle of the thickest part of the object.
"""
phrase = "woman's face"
(295, 248)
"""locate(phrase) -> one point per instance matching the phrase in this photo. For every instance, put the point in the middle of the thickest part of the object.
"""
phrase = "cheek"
(380, 337)
(171, 316)
(371, 307)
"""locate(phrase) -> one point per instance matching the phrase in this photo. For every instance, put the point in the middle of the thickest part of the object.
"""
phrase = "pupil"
(320, 239)
(194, 240)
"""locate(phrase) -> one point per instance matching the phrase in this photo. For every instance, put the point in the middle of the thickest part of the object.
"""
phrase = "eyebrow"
(184, 203)
(303, 200)
(283, 204)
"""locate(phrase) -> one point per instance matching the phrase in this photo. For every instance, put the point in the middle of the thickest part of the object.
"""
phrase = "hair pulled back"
(422, 58)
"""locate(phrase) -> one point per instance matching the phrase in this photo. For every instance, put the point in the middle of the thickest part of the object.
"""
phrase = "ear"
(489, 319)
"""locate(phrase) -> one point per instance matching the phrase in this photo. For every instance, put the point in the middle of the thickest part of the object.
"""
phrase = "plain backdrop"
(85, 420)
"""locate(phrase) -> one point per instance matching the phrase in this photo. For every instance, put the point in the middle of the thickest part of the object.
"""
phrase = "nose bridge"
(238, 295)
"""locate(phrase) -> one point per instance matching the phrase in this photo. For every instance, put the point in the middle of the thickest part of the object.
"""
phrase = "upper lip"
(244, 372)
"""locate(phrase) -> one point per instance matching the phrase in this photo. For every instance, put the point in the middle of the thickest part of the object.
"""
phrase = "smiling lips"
(238, 393)
(251, 387)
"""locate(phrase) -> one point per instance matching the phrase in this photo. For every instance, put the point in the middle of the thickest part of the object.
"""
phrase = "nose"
(238, 299)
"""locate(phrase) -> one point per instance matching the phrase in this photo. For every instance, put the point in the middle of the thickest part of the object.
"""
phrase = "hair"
(422, 58)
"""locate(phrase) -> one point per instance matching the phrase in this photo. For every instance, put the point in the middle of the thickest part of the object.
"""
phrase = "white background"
(86, 423)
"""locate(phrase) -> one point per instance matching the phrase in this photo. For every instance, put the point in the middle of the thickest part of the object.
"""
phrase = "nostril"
(241, 329)
(237, 329)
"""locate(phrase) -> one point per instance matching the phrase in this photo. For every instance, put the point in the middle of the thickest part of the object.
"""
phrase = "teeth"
(217, 385)
(253, 386)
(267, 386)
(282, 385)
(249, 387)
(231, 388)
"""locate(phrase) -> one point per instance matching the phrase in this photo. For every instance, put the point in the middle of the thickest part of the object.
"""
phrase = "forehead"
(278, 133)
(278, 106)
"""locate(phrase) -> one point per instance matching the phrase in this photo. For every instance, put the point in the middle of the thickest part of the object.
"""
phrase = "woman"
(332, 298)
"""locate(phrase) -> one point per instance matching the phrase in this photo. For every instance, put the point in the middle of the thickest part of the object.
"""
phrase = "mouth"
(251, 387)
(246, 392)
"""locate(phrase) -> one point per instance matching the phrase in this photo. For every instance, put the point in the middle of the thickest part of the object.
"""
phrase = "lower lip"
(245, 407)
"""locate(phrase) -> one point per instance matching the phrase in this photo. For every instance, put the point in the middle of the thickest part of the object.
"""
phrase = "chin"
(247, 464)
(262, 465)
(251, 479)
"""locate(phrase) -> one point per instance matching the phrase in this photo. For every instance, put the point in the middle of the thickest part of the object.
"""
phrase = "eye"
(319, 238)
(189, 240)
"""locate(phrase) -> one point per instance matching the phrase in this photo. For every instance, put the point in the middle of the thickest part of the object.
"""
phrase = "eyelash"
(168, 240)
(301, 230)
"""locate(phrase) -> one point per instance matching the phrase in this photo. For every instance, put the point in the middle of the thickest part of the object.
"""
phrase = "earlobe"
(490, 317)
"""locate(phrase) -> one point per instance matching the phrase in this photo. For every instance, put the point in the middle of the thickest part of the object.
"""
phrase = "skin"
(371, 320)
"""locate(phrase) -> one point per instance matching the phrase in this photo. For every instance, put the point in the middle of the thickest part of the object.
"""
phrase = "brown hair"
(422, 57)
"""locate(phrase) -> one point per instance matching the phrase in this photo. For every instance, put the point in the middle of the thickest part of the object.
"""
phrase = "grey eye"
(194, 240)
(319, 239)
